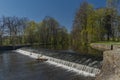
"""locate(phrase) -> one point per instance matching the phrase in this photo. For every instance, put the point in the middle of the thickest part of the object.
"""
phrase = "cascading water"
(82, 69)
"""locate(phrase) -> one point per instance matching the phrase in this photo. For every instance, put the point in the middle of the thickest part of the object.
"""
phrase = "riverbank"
(10, 47)
(81, 69)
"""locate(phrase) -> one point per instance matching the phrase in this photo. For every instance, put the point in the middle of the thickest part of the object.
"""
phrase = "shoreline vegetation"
(90, 25)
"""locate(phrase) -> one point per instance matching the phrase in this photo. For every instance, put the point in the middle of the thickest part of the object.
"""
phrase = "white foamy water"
(81, 69)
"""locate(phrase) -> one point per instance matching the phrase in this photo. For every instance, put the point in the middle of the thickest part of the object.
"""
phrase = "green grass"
(107, 42)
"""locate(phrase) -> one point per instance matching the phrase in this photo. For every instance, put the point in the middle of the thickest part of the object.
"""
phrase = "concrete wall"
(104, 47)
(111, 61)
(111, 66)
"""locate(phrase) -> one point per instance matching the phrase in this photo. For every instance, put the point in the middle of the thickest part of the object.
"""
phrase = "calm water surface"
(14, 66)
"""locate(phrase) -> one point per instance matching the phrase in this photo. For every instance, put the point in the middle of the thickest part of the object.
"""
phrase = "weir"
(79, 68)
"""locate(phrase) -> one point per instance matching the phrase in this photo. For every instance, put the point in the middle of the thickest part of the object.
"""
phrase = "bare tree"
(2, 27)
(15, 27)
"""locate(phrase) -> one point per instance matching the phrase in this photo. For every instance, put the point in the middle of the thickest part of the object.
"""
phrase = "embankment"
(12, 47)
(111, 61)
(111, 66)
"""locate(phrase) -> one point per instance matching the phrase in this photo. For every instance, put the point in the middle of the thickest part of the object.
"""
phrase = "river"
(14, 66)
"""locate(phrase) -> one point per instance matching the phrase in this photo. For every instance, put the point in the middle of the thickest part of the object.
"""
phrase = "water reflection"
(14, 66)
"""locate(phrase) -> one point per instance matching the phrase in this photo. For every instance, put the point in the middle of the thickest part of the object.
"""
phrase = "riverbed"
(14, 66)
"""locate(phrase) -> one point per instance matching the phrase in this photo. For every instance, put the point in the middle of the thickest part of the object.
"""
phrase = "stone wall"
(111, 61)
(104, 47)
(111, 66)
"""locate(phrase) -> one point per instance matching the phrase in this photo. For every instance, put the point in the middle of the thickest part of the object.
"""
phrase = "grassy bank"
(108, 42)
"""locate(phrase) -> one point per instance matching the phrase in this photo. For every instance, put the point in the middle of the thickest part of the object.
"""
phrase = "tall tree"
(113, 10)
(79, 30)
(13, 27)
(50, 27)
(30, 32)
(2, 30)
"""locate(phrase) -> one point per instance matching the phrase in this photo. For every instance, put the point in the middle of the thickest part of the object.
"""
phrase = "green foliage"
(47, 32)
(93, 25)
(30, 32)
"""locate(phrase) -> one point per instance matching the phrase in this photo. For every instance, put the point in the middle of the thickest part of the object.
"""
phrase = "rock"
(111, 66)
(41, 59)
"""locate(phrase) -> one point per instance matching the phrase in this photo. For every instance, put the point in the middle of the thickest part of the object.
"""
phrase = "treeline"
(12, 30)
(94, 25)
(89, 25)
(47, 33)
(21, 31)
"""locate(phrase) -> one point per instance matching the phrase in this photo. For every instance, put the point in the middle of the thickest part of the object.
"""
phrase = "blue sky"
(61, 10)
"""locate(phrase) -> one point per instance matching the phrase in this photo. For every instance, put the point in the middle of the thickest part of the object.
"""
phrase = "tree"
(80, 24)
(113, 4)
(13, 27)
(113, 10)
(50, 33)
(63, 38)
(49, 28)
(30, 32)
(2, 28)
(99, 23)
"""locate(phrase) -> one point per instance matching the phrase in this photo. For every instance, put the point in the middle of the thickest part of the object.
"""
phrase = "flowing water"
(70, 56)
(14, 66)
